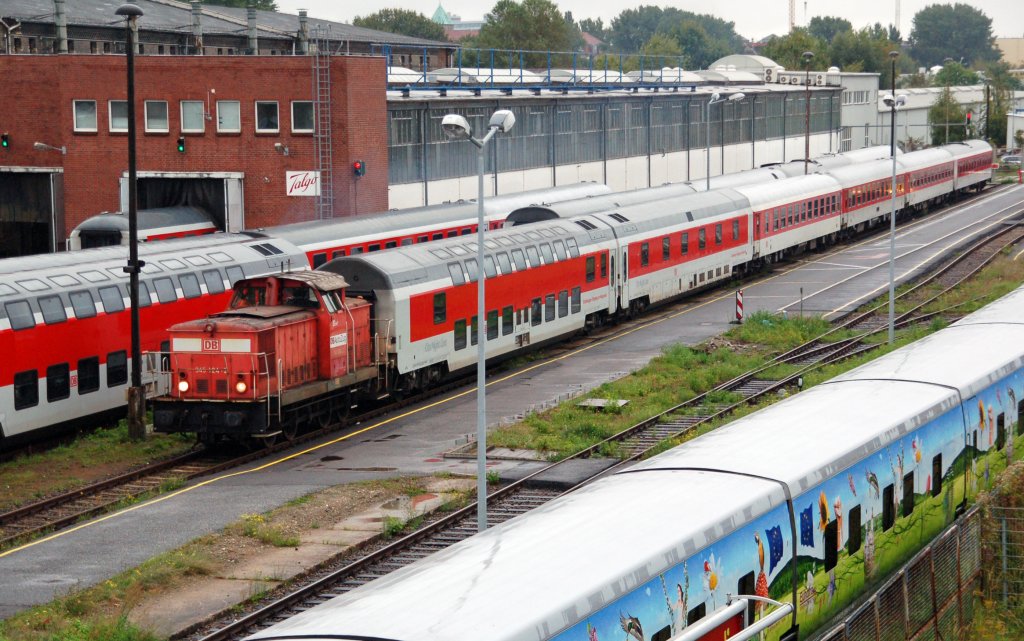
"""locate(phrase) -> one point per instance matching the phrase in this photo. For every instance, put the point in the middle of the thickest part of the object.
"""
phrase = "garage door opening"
(29, 203)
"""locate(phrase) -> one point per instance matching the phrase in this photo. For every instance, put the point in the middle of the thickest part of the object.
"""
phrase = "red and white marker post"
(739, 306)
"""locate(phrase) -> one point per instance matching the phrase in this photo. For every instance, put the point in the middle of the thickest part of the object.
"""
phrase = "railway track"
(634, 442)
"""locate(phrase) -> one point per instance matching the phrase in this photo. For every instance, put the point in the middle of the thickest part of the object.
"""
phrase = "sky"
(752, 17)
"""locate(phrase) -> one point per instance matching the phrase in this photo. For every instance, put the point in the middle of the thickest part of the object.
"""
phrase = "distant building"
(591, 44)
(454, 26)
(1013, 51)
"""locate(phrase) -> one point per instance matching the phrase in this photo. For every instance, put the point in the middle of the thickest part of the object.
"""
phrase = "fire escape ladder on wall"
(322, 122)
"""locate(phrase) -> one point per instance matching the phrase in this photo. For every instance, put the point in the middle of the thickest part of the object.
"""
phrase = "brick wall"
(36, 105)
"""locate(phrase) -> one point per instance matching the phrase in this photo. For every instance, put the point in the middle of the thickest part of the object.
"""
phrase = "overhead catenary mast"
(792, 15)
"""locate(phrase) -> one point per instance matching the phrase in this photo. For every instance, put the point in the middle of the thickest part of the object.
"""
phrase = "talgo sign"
(302, 183)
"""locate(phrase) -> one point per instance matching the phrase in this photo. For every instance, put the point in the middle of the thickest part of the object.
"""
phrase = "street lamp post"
(948, 97)
(807, 56)
(893, 103)
(136, 395)
(715, 99)
(457, 128)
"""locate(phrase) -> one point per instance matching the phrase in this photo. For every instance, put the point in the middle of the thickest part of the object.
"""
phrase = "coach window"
(165, 290)
(455, 271)
(576, 300)
(666, 248)
(492, 324)
(718, 234)
(85, 115)
(536, 312)
(504, 263)
(908, 493)
(156, 117)
(831, 542)
(533, 256)
(549, 308)
(559, 247)
(52, 309)
(735, 230)
(471, 269)
(26, 389)
(775, 215)
(519, 259)
(375, 247)
(228, 117)
(214, 282)
(684, 243)
(936, 474)
(489, 270)
(573, 249)
(460, 334)
(390, 244)
(58, 382)
(545, 251)
(853, 530)
(88, 375)
(563, 303)
(506, 320)
(146, 301)
(83, 304)
(19, 313)
(319, 259)
(111, 299)
(473, 336)
(302, 117)
(696, 614)
(190, 286)
(267, 121)
(604, 265)
(645, 254)
(702, 238)
(590, 269)
(440, 308)
(338, 254)
(117, 368)
(466, 231)
(453, 234)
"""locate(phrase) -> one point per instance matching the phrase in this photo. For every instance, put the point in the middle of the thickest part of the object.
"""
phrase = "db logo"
(211, 345)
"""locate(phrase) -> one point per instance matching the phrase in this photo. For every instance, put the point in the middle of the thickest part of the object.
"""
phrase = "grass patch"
(256, 526)
(777, 333)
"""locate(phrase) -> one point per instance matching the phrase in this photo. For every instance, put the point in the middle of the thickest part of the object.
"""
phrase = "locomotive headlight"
(240, 387)
(182, 386)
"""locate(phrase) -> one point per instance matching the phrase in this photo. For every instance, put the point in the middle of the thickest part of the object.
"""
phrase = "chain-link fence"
(931, 597)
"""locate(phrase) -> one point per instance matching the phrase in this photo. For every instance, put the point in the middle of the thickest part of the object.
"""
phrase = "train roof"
(784, 191)
(547, 210)
(811, 436)
(659, 214)
(408, 221)
(450, 595)
(830, 162)
(148, 219)
(967, 147)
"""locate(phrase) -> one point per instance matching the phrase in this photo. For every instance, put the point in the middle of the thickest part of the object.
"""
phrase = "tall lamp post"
(715, 99)
(136, 395)
(807, 56)
(894, 103)
(457, 128)
(948, 96)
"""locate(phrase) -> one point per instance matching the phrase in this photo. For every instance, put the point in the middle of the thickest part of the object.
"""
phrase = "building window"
(193, 117)
(156, 116)
(85, 115)
(267, 121)
(228, 117)
(302, 117)
(118, 115)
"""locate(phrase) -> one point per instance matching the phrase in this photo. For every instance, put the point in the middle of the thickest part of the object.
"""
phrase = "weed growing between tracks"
(89, 458)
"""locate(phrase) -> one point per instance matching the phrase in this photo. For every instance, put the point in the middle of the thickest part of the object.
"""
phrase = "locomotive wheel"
(290, 428)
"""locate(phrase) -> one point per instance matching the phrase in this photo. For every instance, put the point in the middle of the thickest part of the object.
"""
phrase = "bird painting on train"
(631, 626)
(872, 480)
(761, 586)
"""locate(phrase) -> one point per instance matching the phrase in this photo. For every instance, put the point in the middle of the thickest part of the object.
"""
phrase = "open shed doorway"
(31, 212)
(219, 194)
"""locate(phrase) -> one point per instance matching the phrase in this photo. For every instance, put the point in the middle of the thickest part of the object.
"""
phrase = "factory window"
(26, 389)
(267, 121)
(908, 493)
(302, 117)
(111, 299)
(214, 281)
(888, 508)
(460, 334)
(440, 308)
(576, 300)
(193, 117)
(58, 382)
(117, 368)
(506, 321)
(492, 324)
(666, 248)
(645, 254)
(831, 542)
(535, 311)
(156, 116)
(53, 309)
(20, 315)
(83, 304)
(85, 115)
(936, 474)
(118, 112)
(165, 292)
(563, 303)
(88, 375)
(228, 117)
(853, 530)
(190, 285)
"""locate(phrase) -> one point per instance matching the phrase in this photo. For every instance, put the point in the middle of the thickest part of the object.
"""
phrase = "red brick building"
(245, 120)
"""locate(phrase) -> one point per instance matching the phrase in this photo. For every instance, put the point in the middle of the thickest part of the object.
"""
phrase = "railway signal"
(181, 144)
(5, 140)
(359, 168)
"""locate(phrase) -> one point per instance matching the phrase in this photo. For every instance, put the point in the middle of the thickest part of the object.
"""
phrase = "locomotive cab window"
(26, 389)
(298, 296)
(440, 308)
(58, 382)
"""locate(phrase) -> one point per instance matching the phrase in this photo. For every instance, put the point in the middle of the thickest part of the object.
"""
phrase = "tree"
(403, 21)
(533, 25)
(788, 50)
(828, 27)
(954, 74)
(263, 5)
(634, 27)
(947, 119)
(1018, 138)
(956, 31)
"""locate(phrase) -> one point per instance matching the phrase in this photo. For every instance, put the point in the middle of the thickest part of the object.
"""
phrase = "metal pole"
(136, 395)
(1002, 528)
(707, 144)
(481, 365)
(807, 55)
(892, 214)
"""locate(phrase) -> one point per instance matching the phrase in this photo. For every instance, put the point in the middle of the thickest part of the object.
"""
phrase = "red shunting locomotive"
(291, 349)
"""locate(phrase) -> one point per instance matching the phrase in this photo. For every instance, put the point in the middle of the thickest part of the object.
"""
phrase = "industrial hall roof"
(174, 16)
